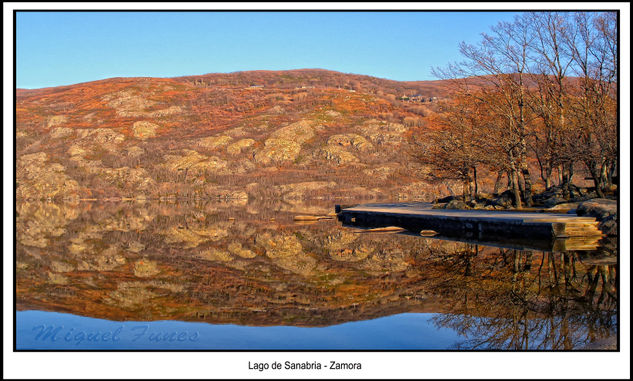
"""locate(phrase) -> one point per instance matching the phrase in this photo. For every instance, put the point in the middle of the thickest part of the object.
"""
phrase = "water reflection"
(253, 265)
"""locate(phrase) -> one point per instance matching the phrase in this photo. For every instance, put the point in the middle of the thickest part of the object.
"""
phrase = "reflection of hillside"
(256, 266)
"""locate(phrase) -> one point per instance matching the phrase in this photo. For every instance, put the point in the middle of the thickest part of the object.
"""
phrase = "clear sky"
(61, 48)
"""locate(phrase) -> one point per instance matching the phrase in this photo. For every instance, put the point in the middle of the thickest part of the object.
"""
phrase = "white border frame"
(375, 364)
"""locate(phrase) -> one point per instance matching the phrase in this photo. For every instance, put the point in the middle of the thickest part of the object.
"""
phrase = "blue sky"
(61, 48)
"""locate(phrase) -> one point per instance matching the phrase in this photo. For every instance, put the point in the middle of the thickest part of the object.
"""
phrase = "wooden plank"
(420, 216)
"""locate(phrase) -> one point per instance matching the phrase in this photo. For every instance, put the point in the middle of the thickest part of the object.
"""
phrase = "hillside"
(291, 134)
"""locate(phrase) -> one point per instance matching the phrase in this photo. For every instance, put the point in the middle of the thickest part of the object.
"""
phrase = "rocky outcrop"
(144, 268)
(96, 139)
(130, 296)
(299, 191)
(144, 130)
(38, 178)
(381, 172)
(556, 195)
(350, 140)
(336, 155)
(286, 252)
(224, 193)
(280, 245)
(299, 132)
(127, 102)
(56, 120)
(381, 132)
(236, 248)
(214, 142)
(456, 204)
(277, 151)
(604, 210)
(194, 162)
(284, 144)
(135, 151)
(215, 255)
(237, 147)
(163, 112)
(136, 179)
(194, 235)
(60, 132)
(37, 223)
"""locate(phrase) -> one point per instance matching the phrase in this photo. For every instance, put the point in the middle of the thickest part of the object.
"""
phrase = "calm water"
(247, 276)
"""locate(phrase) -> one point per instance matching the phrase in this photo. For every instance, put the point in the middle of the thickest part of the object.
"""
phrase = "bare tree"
(594, 50)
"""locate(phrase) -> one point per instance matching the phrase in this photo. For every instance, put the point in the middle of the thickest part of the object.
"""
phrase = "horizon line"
(231, 72)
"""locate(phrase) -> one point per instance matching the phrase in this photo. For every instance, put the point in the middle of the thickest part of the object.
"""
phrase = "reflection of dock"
(478, 224)
(553, 245)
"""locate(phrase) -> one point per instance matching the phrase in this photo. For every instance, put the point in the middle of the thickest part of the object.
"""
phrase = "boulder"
(609, 225)
(553, 201)
(555, 195)
(456, 204)
(445, 200)
(504, 200)
(567, 206)
(604, 210)
(601, 208)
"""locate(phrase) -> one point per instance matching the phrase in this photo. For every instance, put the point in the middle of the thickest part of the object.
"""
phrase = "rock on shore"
(604, 210)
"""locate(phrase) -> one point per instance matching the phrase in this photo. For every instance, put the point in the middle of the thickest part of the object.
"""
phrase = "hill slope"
(292, 134)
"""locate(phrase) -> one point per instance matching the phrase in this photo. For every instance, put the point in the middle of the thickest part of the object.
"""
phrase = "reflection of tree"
(549, 301)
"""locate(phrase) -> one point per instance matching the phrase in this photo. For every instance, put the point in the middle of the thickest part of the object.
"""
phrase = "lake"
(247, 276)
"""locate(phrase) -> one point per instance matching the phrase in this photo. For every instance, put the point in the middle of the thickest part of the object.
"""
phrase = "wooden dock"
(478, 224)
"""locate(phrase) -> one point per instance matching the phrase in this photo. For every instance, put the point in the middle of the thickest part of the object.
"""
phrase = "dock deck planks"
(418, 216)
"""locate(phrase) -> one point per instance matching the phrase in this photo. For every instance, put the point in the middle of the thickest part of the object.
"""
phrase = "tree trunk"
(525, 170)
(595, 175)
(546, 173)
(613, 171)
(604, 176)
(548, 177)
(528, 185)
(515, 188)
(466, 189)
(497, 183)
(568, 173)
(520, 182)
(560, 175)
(475, 181)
